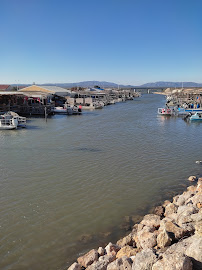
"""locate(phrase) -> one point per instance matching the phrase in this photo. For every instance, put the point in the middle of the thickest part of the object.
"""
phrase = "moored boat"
(165, 111)
(74, 110)
(196, 117)
(59, 109)
(22, 121)
(7, 123)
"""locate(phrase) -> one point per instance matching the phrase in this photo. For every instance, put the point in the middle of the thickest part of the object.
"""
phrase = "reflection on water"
(74, 179)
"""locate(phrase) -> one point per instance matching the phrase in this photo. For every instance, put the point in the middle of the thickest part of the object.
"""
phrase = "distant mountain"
(85, 84)
(172, 84)
(103, 84)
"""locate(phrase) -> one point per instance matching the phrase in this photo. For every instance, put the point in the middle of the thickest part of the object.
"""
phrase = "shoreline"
(171, 235)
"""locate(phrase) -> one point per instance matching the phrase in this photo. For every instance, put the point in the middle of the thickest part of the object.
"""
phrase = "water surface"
(75, 178)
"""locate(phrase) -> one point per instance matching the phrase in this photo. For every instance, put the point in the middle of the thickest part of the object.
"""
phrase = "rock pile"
(169, 239)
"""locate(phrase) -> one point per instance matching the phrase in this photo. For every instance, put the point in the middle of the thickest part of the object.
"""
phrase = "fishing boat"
(165, 111)
(7, 123)
(196, 117)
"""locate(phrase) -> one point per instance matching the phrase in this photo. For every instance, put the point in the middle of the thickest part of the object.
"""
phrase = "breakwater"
(170, 238)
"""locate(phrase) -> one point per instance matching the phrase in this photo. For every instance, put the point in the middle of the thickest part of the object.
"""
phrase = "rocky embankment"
(169, 239)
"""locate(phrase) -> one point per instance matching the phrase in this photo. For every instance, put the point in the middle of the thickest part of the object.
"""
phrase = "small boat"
(7, 122)
(92, 106)
(22, 121)
(59, 109)
(196, 117)
(165, 111)
(73, 110)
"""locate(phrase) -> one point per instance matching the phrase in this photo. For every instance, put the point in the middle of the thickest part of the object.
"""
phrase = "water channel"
(66, 185)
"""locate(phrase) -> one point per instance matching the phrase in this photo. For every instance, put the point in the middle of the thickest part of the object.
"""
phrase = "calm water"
(81, 175)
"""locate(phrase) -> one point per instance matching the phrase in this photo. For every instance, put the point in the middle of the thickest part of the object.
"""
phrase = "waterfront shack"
(40, 97)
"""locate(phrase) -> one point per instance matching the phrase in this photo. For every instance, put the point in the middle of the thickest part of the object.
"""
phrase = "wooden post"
(45, 109)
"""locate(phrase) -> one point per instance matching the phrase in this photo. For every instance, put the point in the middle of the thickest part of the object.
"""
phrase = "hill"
(172, 84)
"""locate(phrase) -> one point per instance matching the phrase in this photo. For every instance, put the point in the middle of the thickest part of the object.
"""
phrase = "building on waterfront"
(46, 94)
(6, 87)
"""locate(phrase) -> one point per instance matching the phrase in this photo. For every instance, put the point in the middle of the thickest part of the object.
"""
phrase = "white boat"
(59, 109)
(72, 110)
(8, 122)
(165, 111)
(92, 106)
(22, 121)
(196, 117)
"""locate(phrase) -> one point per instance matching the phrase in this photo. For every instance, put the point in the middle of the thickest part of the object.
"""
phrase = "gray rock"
(123, 263)
(171, 208)
(151, 220)
(102, 263)
(180, 201)
(159, 211)
(147, 239)
(144, 260)
(127, 240)
(194, 251)
(163, 239)
(175, 261)
(174, 231)
(197, 199)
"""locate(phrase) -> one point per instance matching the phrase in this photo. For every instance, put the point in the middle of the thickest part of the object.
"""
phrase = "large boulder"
(159, 211)
(88, 258)
(163, 239)
(194, 251)
(127, 240)
(171, 208)
(147, 239)
(174, 231)
(127, 251)
(182, 255)
(112, 249)
(198, 228)
(123, 263)
(186, 217)
(151, 220)
(144, 260)
(175, 261)
(197, 199)
(191, 188)
(102, 263)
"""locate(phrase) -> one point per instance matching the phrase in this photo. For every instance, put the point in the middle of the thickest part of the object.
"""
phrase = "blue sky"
(121, 41)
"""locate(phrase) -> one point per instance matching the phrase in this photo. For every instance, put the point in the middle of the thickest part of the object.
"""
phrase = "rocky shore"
(168, 239)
